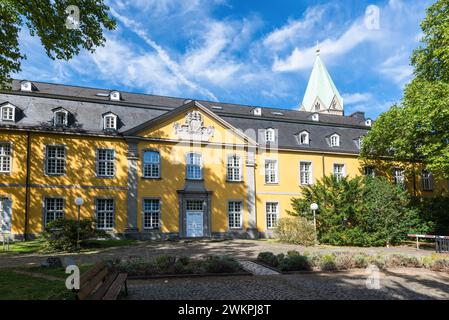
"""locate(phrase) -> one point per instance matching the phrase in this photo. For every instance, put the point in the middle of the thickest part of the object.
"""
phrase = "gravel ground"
(240, 249)
(410, 284)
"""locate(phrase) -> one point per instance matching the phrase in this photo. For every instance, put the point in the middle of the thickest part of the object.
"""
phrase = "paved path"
(257, 269)
(240, 249)
(397, 284)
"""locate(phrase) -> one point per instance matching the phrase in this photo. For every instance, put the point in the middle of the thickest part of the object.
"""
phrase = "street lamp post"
(314, 208)
(79, 202)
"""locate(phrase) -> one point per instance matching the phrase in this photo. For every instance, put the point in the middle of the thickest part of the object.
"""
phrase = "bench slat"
(92, 284)
(101, 291)
(116, 287)
(89, 274)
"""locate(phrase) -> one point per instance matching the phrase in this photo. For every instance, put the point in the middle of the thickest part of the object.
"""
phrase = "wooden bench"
(102, 283)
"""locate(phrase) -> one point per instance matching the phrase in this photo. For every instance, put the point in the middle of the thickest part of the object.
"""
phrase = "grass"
(37, 246)
(15, 286)
(55, 272)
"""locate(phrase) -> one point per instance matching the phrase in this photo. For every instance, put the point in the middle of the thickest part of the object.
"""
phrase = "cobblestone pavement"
(256, 268)
(398, 284)
(240, 249)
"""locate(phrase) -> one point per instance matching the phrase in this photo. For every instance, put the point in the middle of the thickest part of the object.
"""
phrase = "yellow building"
(150, 166)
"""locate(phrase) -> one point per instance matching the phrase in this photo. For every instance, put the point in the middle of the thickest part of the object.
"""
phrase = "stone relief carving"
(193, 128)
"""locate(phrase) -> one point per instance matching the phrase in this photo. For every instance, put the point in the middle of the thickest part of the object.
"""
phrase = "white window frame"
(271, 217)
(303, 174)
(427, 180)
(57, 159)
(5, 157)
(235, 217)
(106, 162)
(104, 223)
(334, 140)
(57, 212)
(399, 179)
(306, 139)
(65, 119)
(154, 218)
(234, 168)
(11, 114)
(151, 169)
(270, 135)
(194, 167)
(270, 172)
(339, 175)
(106, 123)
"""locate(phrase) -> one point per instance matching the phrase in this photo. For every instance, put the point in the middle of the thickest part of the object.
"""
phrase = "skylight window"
(217, 107)
(276, 113)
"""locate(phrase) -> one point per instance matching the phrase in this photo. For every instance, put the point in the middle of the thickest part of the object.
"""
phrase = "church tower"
(321, 94)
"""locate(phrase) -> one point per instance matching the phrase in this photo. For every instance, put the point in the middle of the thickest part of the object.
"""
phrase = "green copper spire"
(321, 93)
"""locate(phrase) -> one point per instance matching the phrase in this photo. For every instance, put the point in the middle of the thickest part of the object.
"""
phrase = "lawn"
(15, 286)
(36, 246)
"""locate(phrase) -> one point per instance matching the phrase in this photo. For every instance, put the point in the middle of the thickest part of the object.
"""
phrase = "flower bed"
(294, 261)
(171, 266)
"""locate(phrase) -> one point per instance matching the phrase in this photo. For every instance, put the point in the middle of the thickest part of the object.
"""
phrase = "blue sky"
(246, 51)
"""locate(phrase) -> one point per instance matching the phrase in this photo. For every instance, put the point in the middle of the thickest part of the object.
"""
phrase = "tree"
(360, 211)
(418, 129)
(47, 20)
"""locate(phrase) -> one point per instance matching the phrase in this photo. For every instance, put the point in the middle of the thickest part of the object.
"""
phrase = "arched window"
(7, 113)
(303, 138)
(269, 135)
(151, 164)
(335, 140)
(110, 121)
(60, 118)
(194, 166)
(234, 168)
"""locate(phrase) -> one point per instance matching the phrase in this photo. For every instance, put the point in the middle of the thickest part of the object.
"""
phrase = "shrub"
(327, 262)
(61, 234)
(296, 230)
(268, 258)
(360, 261)
(345, 261)
(398, 260)
(357, 212)
(222, 264)
(164, 262)
(295, 262)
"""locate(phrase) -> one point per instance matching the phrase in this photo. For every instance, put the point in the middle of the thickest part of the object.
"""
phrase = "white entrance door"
(194, 224)
(5, 215)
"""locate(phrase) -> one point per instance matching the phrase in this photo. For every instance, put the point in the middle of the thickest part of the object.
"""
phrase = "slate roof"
(134, 109)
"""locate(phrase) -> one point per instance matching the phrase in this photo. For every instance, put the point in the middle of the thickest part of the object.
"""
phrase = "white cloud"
(353, 98)
(301, 59)
(397, 68)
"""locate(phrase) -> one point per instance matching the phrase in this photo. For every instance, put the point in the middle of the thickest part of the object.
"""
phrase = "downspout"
(27, 186)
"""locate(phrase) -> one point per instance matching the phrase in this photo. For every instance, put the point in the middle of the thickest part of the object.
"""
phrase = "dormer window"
(109, 121)
(7, 112)
(335, 140)
(26, 86)
(317, 106)
(257, 112)
(303, 138)
(359, 142)
(315, 117)
(368, 122)
(269, 135)
(115, 96)
(60, 118)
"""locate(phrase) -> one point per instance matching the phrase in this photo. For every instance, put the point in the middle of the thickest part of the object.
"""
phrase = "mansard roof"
(89, 104)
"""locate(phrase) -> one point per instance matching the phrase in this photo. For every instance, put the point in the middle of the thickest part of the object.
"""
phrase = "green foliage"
(418, 130)
(269, 258)
(431, 59)
(220, 264)
(435, 212)
(47, 20)
(360, 211)
(327, 262)
(295, 262)
(296, 230)
(61, 234)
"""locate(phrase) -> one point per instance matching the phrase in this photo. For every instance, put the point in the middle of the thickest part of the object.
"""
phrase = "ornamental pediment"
(193, 128)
